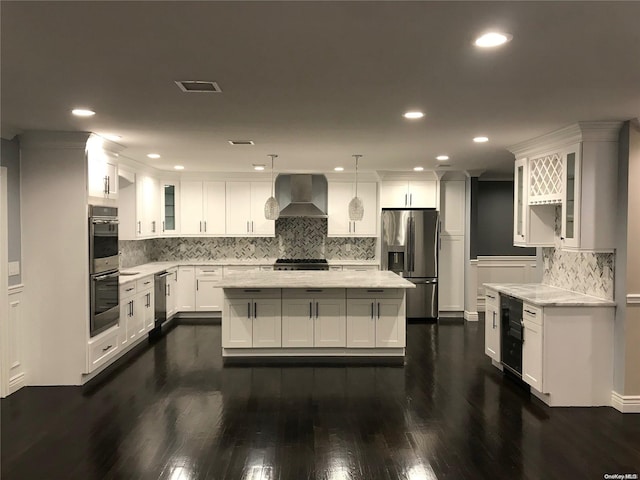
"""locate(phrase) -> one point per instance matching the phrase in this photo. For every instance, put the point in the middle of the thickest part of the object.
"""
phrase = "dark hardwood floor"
(175, 412)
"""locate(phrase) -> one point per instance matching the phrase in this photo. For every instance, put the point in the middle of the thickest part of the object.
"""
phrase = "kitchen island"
(285, 314)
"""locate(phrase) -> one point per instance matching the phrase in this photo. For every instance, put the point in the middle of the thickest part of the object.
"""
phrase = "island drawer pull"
(530, 312)
(254, 290)
(107, 348)
(314, 290)
(376, 291)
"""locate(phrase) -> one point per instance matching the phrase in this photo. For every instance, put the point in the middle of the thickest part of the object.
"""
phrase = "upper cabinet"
(102, 170)
(409, 194)
(339, 195)
(169, 195)
(245, 209)
(147, 206)
(574, 169)
(202, 208)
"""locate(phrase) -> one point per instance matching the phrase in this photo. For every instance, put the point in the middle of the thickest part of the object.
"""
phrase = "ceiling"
(316, 82)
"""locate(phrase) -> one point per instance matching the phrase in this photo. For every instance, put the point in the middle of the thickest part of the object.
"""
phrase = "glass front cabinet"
(519, 203)
(169, 195)
(570, 231)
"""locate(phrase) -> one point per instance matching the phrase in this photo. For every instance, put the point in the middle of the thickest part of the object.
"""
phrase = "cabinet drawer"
(241, 268)
(531, 313)
(313, 293)
(144, 284)
(253, 293)
(335, 268)
(266, 268)
(103, 349)
(492, 298)
(127, 290)
(210, 271)
(375, 292)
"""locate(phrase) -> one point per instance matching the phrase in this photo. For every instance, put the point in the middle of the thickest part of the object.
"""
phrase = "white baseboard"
(625, 403)
(471, 316)
(481, 304)
(16, 383)
(457, 314)
(633, 299)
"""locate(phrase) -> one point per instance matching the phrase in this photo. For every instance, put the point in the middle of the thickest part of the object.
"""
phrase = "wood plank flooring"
(175, 412)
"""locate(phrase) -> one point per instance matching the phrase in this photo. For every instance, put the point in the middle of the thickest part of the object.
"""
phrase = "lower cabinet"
(532, 346)
(209, 296)
(376, 318)
(492, 325)
(185, 288)
(253, 319)
(313, 318)
(172, 292)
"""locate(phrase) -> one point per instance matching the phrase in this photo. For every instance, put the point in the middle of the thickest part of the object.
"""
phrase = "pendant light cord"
(356, 157)
(272, 157)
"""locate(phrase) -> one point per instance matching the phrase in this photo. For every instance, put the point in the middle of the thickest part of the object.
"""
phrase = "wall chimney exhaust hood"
(302, 195)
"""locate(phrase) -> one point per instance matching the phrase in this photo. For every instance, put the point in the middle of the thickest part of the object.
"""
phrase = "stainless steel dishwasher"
(160, 293)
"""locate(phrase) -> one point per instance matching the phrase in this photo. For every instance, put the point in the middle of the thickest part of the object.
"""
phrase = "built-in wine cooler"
(512, 327)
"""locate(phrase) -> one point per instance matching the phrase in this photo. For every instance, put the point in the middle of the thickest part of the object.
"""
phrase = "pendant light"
(272, 207)
(356, 208)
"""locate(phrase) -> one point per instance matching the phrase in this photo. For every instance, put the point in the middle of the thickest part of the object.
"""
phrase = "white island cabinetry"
(313, 317)
(253, 318)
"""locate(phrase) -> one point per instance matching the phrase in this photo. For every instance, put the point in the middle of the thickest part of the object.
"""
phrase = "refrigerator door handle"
(412, 252)
(407, 248)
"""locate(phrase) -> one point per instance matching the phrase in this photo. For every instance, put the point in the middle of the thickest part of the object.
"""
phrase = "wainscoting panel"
(504, 269)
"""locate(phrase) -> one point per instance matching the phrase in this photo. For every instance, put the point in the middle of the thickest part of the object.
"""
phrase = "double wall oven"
(103, 268)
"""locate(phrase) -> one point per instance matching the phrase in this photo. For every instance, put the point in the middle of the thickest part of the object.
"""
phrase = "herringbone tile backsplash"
(295, 238)
(584, 272)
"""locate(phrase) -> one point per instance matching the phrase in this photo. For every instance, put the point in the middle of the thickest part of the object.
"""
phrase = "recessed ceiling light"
(492, 39)
(153, 155)
(241, 142)
(413, 115)
(83, 112)
(258, 167)
(481, 139)
(418, 169)
(112, 137)
(179, 167)
(339, 169)
(442, 158)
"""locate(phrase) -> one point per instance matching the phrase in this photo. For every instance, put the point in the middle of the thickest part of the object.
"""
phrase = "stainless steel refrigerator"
(410, 243)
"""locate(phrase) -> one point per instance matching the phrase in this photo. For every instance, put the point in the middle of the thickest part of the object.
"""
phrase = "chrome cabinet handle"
(371, 310)
(405, 200)
(169, 285)
(107, 348)
(205, 226)
(310, 310)
(255, 310)
(410, 199)
(139, 227)
(378, 310)
(248, 309)
(247, 226)
(317, 309)
(349, 227)
(128, 289)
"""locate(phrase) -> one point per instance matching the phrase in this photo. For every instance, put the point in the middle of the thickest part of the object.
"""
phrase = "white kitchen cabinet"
(377, 313)
(339, 196)
(147, 206)
(172, 292)
(245, 209)
(186, 289)
(492, 325)
(103, 348)
(533, 225)
(532, 354)
(314, 318)
(169, 207)
(253, 319)
(409, 194)
(451, 274)
(209, 296)
(452, 207)
(202, 208)
(102, 170)
(241, 268)
(145, 302)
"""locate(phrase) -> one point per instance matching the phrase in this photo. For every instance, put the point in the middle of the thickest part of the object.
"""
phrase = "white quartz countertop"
(548, 296)
(314, 279)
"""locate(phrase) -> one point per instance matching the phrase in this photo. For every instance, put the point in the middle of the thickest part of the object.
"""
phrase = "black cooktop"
(301, 260)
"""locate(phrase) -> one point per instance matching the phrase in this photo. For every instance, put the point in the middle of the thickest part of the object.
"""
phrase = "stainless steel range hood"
(302, 195)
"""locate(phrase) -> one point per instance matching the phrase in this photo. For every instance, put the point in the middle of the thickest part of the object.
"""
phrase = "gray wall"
(494, 222)
(10, 158)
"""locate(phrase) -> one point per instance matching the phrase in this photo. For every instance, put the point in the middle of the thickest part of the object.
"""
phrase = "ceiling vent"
(241, 142)
(198, 86)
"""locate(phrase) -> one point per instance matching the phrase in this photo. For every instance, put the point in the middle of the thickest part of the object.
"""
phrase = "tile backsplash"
(295, 238)
(584, 272)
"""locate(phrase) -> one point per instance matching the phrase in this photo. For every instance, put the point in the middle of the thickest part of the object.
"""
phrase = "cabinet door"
(339, 194)
(131, 323)
(209, 296)
(172, 293)
(102, 170)
(267, 323)
(112, 176)
(149, 312)
(297, 322)
(260, 226)
(237, 323)
(147, 206)
(451, 274)
(422, 194)
(238, 208)
(169, 205)
(570, 231)
(186, 290)
(140, 314)
(368, 226)
(394, 194)
(519, 202)
(492, 332)
(390, 323)
(191, 213)
(330, 323)
(125, 313)
(453, 207)
(214, 208)
(532, 354)
(361, 324)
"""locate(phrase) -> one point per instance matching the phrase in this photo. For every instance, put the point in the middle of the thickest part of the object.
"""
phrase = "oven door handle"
(97, 221)
(102, 277)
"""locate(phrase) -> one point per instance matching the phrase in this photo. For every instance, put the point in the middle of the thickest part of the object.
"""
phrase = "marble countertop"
(548, 296)
(315, 279)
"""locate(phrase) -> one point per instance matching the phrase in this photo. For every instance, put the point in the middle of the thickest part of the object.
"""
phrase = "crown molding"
(578, 132)
(54, 140)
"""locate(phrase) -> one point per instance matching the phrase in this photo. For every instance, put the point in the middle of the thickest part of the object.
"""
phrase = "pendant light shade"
(272, 207)
(356, 208)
